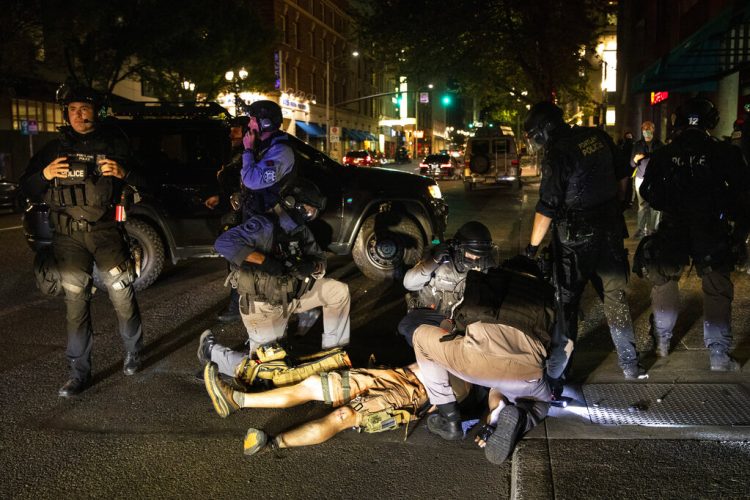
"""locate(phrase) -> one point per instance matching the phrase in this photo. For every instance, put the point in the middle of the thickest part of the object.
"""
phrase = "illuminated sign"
(657, 97)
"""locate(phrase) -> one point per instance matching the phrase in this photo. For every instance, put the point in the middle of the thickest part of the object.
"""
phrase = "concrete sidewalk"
(682, 433)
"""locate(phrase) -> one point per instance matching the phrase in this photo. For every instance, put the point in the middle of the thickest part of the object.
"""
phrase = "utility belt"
(581, 224)
(66, 224)
(256, 286)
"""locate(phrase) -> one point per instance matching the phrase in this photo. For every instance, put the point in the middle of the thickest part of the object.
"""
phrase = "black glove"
(303, 268)
(440, 252)
(272, 266)
(531, 250)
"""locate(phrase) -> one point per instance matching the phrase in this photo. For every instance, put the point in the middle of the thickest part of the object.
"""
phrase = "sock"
(239, 398)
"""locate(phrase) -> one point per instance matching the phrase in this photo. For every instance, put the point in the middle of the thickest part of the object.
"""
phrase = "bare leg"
(309, 389)
(321, 430)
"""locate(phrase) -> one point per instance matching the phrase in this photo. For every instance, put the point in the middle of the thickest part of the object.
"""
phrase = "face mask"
(648, 135)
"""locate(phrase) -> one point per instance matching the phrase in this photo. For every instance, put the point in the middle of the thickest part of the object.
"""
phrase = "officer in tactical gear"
(439, 278)
(279, 270)
(702, 187)
(82, 176)
(584, 180)
(501, 341)
(268, 160)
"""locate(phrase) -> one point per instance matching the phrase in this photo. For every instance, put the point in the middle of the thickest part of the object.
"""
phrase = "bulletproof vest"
(443, 291)
(591, 179)
(687, 181)
(509, 298)
(259, 286)
(259, 201)
(85, 194)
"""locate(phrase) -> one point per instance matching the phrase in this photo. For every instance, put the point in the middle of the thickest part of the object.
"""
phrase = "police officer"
(702, 187)
(439, 278)
(506, 318)
(268, 160)
(583, 184)
(82, 175)
(280, 271)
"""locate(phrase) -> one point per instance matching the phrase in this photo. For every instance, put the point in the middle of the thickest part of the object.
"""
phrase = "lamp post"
(330, 60)
(188, 86)
(235, 80)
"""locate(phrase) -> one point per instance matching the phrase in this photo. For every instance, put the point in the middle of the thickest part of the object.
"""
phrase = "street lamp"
(235, 80)
(188, 86)
(330, 60)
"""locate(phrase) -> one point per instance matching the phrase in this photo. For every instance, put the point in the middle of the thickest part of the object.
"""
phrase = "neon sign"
(657, 97)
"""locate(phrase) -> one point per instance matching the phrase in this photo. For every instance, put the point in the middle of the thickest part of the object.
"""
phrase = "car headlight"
(434, 191)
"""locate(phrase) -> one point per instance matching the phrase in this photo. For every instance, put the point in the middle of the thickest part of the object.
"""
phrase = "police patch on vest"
(269, 176)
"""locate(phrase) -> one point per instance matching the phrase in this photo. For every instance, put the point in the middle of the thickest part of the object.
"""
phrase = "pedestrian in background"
(648, 218)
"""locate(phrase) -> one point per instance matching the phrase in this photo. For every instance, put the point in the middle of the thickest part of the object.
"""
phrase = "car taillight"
(514, 162)
(445, 165)
(422, 165)
(368, 159)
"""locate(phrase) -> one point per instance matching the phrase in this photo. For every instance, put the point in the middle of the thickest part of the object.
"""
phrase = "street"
(156, 435)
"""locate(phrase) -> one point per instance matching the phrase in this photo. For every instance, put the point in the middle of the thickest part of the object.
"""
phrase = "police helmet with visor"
(543, 118)
(473, 247)
(302, 200)
(67, 94)
(267, 114)
(697, 112)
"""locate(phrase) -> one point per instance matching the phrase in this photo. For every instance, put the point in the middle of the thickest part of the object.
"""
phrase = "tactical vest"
(84, 194)
(509, 298)
(259, 201)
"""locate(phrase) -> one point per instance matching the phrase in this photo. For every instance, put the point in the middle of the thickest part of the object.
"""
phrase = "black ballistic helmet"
(300, 192)
(267, 113)
(697, 112)
(475, 239)
(68, 93)
(543, 118)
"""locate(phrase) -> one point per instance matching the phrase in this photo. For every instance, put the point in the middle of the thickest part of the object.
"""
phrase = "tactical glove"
(440, 252)
(531, 250)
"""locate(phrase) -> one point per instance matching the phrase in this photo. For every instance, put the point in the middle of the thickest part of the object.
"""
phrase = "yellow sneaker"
(255, 440)
(220, 392)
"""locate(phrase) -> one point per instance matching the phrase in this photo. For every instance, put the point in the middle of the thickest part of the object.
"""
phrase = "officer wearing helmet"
(279, 270)
(702, 187)
(437, 281)
(82, 176)
(268, 160)
(584, 180)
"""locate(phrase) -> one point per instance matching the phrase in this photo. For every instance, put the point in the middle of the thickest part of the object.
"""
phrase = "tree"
(492, 47)
(162, 42)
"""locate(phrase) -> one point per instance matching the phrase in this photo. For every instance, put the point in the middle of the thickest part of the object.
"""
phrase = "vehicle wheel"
(386, 243)
(147, 250)
(480, 164)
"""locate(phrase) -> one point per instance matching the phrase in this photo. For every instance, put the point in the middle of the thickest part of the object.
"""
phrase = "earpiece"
(265, 124)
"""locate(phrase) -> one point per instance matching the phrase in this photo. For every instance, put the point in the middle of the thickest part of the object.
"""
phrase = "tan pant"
(373, 389)
(491, 355)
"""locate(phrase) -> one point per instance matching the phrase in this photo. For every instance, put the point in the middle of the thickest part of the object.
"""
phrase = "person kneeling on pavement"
(371, 400)
(278, 270)
(437, 281)
(505, 320)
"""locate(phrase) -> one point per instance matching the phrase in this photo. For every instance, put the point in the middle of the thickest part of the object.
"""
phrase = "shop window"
(48, 115)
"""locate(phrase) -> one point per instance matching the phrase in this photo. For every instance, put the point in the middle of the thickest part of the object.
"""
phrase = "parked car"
(360, 158)
(441, 166)
(402, 156)
(11, 196)
(384, 218)
(491, 158)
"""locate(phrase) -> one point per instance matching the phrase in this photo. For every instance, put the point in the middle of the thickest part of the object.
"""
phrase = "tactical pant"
(718, 293)
(267, 323)
(491, 355)
(416, 318)
(598, 257)
(648, 218)
(76, 254)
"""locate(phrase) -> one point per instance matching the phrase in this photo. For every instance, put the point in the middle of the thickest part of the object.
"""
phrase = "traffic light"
(447, 100)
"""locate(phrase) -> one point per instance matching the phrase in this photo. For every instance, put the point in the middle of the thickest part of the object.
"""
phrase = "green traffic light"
(447, 100)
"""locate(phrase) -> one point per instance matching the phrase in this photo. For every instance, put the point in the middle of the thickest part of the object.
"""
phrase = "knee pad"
(121, 276)
(76, 288)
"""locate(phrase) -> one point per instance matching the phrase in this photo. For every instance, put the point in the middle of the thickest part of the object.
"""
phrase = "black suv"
(384, 218)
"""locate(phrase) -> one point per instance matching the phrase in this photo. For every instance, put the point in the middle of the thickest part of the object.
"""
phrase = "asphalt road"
(155, 435)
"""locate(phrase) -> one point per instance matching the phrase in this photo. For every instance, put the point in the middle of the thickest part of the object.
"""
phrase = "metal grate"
(662, 405)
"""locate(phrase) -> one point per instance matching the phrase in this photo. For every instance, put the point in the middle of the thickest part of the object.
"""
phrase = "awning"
(354, 135)
(311, 129)
(369, 136)
(714, 51)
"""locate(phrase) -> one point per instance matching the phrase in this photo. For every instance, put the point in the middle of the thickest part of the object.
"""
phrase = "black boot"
(232, 312)
(74, 386)
(446, 423)
(509, 429)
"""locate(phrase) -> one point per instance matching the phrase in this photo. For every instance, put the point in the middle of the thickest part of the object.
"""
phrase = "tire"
(147, 250)
(386, 243)
(480, 164)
